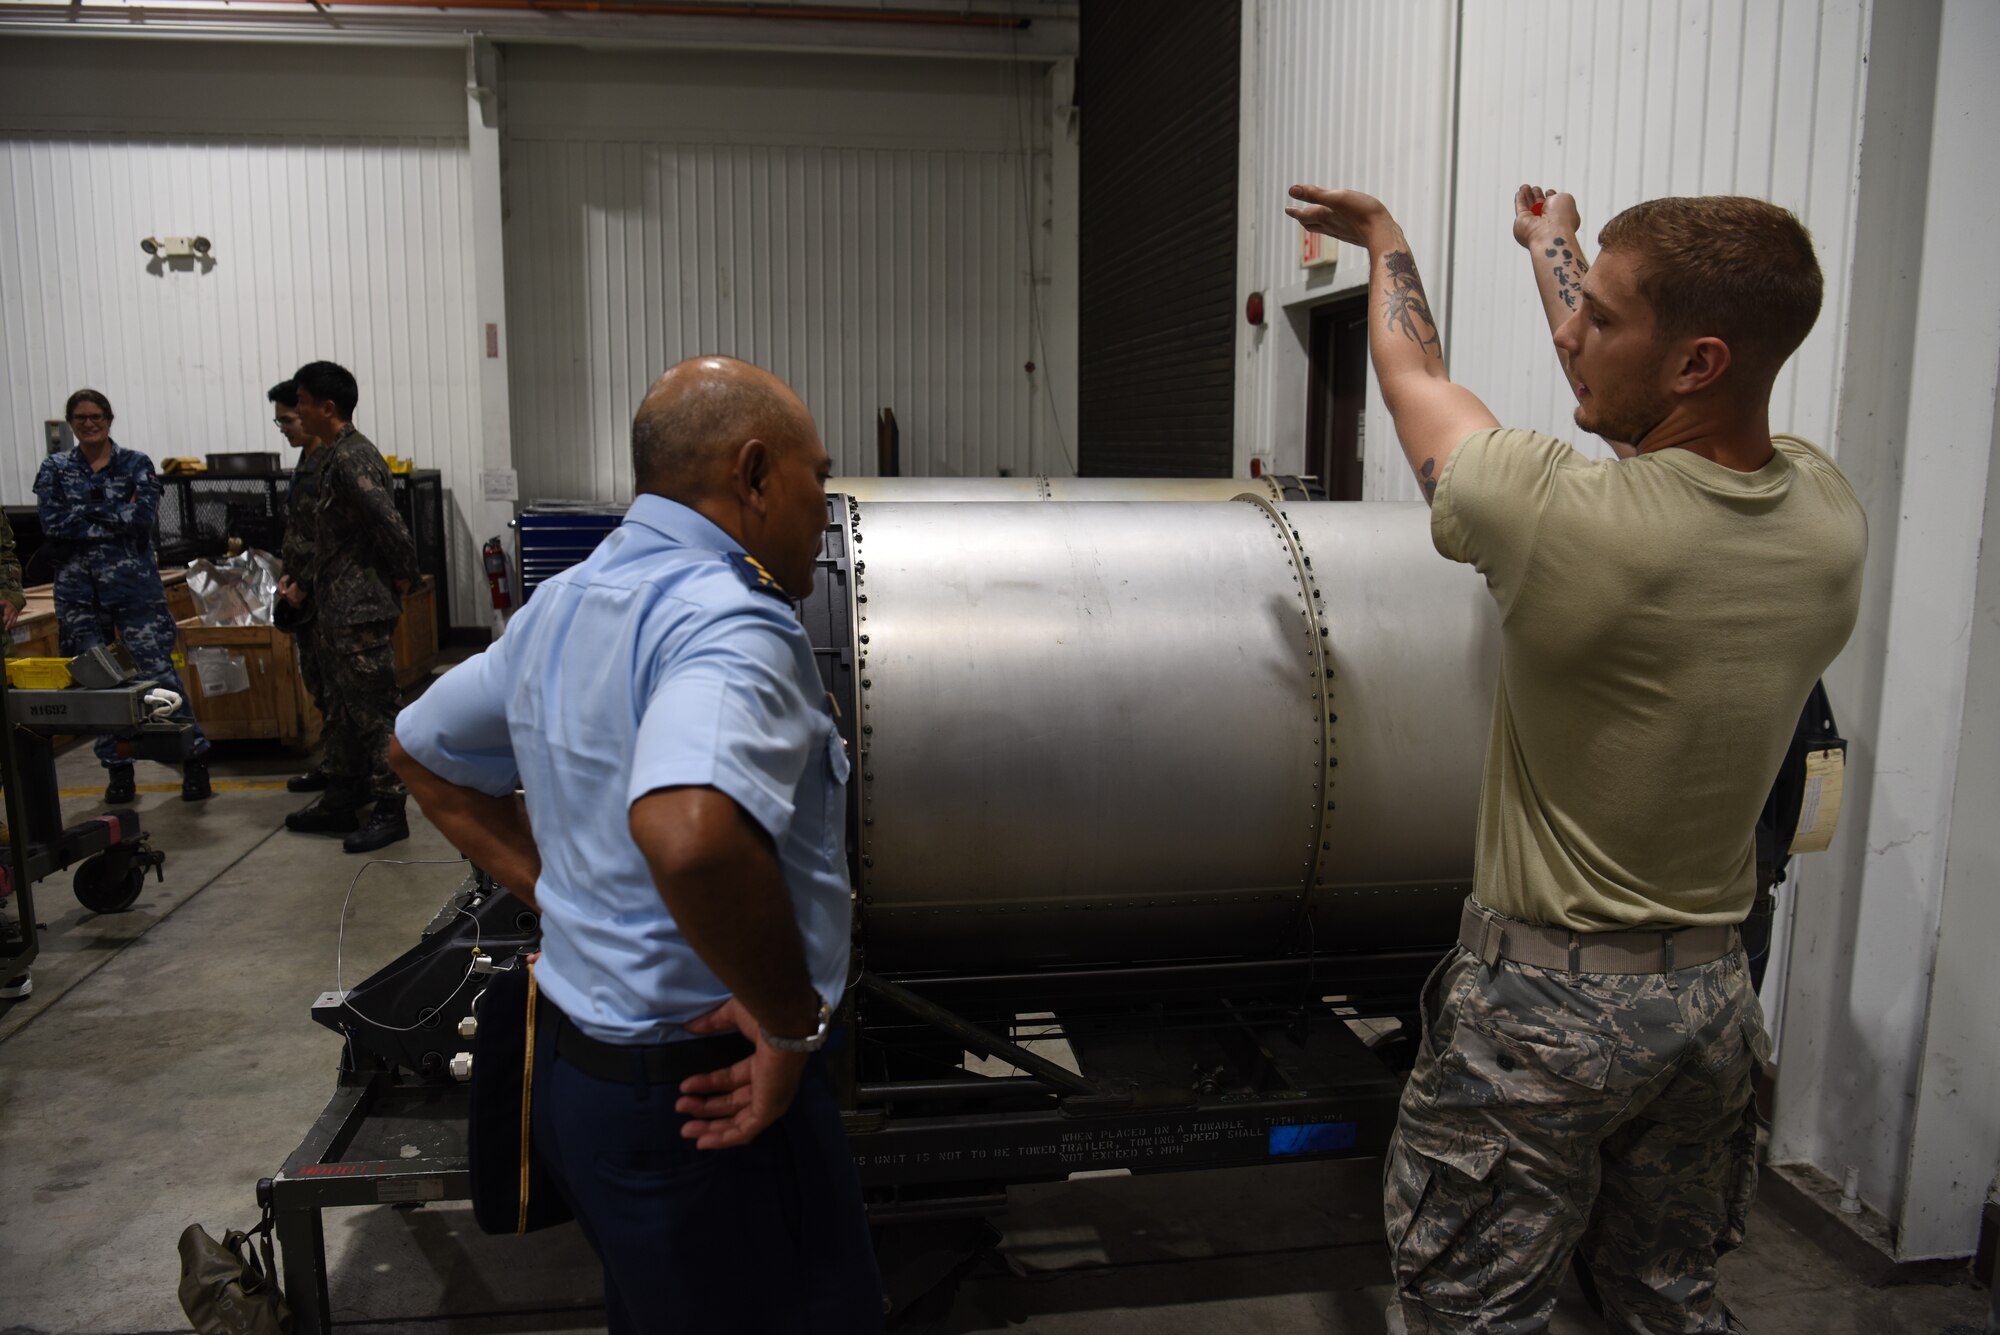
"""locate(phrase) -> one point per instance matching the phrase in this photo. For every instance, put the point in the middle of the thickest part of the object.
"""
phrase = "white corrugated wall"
(863, 227)
(356, 251)
(349, 245)
(865, 278)
(1622, 102)
(351, 251)
(1355, 95)
(1616, 100)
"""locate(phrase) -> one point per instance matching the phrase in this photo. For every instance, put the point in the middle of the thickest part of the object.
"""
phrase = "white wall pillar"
(1954, 1142)
(483, 110)
(1914, 434)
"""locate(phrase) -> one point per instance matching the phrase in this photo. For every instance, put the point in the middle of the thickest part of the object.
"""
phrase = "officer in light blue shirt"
(684, 843)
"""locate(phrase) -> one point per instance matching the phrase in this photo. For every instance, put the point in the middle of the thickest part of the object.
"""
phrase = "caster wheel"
(109, 882)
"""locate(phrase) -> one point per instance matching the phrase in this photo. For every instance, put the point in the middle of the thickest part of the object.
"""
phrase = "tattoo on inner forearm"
(1569, 270)
(1427, 479)
(1404, 306)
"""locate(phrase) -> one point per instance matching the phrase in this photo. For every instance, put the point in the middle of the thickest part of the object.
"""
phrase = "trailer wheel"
(109, 882)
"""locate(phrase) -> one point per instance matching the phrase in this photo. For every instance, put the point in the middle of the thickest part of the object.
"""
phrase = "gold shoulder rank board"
(751, 571)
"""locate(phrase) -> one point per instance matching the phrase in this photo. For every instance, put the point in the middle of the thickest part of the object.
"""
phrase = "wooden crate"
(41, 610)
(276, 704)
(35, 633)
(416, 638)
(180, 598)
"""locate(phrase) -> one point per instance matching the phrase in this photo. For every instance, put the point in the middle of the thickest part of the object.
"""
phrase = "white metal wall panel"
(1354, 95)
(1620, 101)
(865, 278)
(356, 250)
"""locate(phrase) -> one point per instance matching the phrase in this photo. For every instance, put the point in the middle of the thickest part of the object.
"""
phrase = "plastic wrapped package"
(238, 590)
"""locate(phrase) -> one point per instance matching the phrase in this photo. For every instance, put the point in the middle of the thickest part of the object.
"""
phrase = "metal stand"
(355, 1155)
(16, 956)
(38, 844)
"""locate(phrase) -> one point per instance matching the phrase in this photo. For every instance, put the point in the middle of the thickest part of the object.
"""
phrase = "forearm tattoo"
(1404, 306)
(1569, 270)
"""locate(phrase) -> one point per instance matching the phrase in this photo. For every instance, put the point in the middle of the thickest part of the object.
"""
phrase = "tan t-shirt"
(1663, 619)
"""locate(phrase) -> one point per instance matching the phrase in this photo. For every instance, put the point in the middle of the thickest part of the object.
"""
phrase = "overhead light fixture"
(175, 247)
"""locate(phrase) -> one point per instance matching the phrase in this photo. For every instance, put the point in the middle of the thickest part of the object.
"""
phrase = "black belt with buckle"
(642, 1064)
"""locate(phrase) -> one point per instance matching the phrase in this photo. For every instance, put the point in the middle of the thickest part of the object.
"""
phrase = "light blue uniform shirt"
(652, 664)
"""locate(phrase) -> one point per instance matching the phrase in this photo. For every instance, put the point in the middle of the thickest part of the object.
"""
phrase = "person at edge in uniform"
(683, 839)
(296, 553)
(12, 602)
(98, 503)
(348, 598)
(1584, 1074)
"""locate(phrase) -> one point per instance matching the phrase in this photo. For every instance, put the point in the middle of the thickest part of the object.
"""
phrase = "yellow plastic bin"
(38, 674)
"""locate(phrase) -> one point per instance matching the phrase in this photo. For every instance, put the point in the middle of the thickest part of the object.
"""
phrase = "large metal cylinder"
(1139, 732)
(940, 488)
(1065, 488)
(1413, 643)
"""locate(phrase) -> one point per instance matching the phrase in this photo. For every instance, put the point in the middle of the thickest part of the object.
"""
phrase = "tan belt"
(1494, 938)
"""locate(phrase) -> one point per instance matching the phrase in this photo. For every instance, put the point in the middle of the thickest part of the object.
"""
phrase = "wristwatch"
(813, 1042)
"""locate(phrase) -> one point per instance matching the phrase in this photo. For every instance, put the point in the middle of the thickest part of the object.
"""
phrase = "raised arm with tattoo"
(1554, 242)
(1432, 414)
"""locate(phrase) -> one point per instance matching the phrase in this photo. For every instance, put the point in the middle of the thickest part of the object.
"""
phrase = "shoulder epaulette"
(751, 571)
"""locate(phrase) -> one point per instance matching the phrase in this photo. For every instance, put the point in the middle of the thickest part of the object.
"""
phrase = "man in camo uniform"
(12, 602)
(349, 593)
(1584, 1075)
(296, 555)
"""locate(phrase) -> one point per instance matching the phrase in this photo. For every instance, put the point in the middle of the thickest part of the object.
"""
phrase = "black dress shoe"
(312, 781)
(194, 781)
(332, 812)
(122, 786)
(386, 824)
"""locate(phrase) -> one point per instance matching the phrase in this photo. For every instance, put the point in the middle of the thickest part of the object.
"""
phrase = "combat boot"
(312, 781)
(333, 811)
(121, 787)
(386, 824)
(194, 781)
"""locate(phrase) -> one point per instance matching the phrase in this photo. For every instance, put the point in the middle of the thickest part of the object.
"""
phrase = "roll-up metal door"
(1158, 88)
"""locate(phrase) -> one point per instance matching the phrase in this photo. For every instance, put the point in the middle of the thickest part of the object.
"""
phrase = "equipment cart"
(110, 852)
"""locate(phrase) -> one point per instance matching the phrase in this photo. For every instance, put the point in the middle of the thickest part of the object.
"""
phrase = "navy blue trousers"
(767, 1237)
(105, 592)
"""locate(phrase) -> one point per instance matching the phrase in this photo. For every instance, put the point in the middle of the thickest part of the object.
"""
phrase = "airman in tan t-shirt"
(1663, 618)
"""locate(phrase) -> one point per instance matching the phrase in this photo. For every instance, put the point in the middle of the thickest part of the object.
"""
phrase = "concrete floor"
(166, 1061)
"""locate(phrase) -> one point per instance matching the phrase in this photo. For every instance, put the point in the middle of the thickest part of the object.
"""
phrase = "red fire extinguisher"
(496, 575)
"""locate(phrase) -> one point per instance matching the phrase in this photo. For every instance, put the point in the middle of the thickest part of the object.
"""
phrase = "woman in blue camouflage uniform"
(98, 503)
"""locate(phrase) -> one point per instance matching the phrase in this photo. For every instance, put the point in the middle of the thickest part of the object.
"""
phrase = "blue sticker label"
(1312, 1138)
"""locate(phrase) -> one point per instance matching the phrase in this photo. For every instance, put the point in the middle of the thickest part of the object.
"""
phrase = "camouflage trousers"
(106, 594)
(302, 636)
(1550, 1111)
(356, 675)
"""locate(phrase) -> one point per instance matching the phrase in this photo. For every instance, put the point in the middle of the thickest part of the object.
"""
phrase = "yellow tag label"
(1819, 809)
